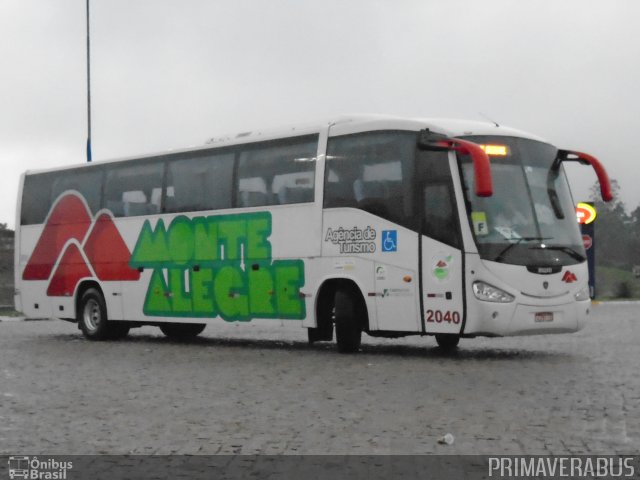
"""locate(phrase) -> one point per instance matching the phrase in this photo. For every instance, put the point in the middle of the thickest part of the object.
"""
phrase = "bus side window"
(36, 198)
(440, 219)
(253, 192)
(201, 183)
(337, 193)
(42, 190)
(86, 182)
(277, 173)
(372, 172)
(129, 189)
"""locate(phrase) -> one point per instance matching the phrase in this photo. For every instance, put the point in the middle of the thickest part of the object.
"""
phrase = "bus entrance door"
(442, 287)
(441, 259)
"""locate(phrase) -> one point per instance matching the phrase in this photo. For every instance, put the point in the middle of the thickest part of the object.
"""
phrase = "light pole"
(88, 89)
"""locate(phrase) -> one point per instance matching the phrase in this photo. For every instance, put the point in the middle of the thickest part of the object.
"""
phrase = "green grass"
(612, 282)
(9, 312)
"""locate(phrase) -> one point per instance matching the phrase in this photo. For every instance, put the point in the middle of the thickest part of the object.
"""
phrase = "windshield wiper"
(552, 176)
(562, 248)
(501, 255)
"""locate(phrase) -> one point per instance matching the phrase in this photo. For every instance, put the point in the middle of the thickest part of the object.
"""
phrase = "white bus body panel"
(353, 241)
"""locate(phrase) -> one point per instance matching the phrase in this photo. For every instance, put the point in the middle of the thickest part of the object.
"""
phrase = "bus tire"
(182, 331)
(347, 319)
(448, 341)
(92, 317)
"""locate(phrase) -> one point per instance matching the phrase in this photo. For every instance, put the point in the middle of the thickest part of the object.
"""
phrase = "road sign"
(585, 213)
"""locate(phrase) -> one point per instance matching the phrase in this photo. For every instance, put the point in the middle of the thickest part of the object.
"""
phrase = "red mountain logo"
(74, 246)
(569, 277)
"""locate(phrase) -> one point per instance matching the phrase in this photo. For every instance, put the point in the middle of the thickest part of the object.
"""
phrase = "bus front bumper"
(494, 319)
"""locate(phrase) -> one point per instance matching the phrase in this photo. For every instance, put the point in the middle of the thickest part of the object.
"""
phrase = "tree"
(634, 225)
(615, 240)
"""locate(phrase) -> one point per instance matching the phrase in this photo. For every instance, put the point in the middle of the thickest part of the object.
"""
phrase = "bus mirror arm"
(481, 166)
(586, 159)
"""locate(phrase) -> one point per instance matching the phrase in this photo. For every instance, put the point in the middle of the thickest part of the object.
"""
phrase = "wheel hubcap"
(92, 316)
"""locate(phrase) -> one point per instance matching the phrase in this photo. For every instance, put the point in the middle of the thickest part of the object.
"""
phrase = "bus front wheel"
(182, 331)
(347, 320)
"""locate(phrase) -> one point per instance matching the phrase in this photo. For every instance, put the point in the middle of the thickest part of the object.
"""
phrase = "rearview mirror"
(428, 140)
(586, 159)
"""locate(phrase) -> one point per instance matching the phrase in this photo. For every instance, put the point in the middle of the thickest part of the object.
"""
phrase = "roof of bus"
(338, 126)
(447, 126)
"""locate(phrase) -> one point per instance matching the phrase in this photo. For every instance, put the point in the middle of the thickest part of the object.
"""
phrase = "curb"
(616, 302)
(12, 319)
(22, 319)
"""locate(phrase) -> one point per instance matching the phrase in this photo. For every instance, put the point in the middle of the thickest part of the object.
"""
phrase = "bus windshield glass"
(530, 218)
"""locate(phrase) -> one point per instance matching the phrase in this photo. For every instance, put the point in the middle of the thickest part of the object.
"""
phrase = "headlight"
(489, 293)
(583, 295)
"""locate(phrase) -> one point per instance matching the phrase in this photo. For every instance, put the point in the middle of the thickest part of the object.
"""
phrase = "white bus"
(381, 225)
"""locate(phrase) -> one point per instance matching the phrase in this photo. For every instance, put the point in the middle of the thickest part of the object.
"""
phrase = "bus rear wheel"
(93, 321)
(348, 313)
(182, 331)
(447, 341)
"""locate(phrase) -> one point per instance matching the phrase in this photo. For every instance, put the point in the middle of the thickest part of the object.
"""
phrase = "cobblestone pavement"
(256, 389)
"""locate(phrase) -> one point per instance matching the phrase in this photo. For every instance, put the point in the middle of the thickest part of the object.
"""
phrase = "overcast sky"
(168, 74)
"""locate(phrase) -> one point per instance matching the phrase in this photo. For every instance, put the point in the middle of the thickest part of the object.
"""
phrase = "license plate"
(544, 317)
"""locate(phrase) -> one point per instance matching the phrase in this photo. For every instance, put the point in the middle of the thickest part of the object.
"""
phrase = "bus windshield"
(530, 218)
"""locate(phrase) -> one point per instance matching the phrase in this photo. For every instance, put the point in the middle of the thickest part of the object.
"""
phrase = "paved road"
(253, 389)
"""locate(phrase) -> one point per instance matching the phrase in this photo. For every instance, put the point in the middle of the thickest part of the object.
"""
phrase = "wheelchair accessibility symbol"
(389, 240)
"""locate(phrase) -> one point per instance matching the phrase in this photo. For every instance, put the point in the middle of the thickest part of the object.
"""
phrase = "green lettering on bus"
(151, 248)
(180, 242)
(288, 283)
(157, 299)
(258, 231)
(205, 241)
(232, 232)
(180, 298)
(261, 290)
(202, 292)
(230, 293)
(218, 266)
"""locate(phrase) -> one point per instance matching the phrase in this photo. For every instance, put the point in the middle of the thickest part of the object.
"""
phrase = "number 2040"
(438, 316)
